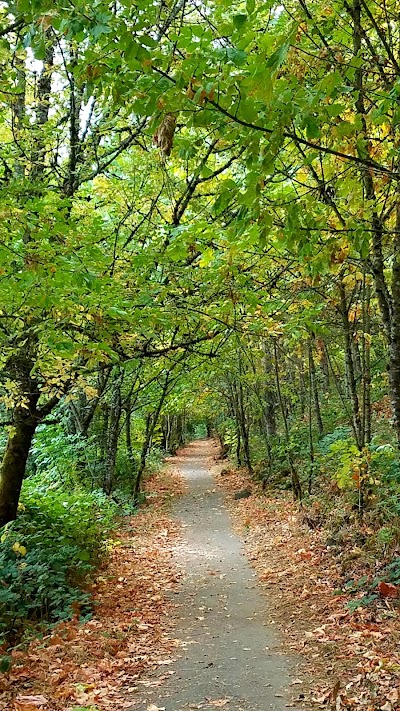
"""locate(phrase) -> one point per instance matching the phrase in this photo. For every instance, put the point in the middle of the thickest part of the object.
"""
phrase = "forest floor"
(181, 621)
(348, 660)
(98, 665)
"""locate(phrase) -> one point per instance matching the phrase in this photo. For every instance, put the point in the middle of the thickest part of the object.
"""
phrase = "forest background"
(200, 233)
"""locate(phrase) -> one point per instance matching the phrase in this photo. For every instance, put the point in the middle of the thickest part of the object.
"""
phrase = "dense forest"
(199, 236)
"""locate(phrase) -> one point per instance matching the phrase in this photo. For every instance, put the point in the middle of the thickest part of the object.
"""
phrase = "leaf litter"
(100, 663)
(348, 660)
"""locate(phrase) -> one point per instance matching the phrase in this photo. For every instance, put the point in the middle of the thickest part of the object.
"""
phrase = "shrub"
(339, 433)
(48, 552)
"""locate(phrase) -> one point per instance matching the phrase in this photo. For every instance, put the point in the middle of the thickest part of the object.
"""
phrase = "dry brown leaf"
(30, 703)
(388, 590)
(164, 135)
(335, 691)
(393, 696)
(37, 700)
(219, 703)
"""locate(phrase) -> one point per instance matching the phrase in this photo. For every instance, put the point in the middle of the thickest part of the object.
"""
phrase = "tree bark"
(112, 436)
(302, 388)
(238, 447)
(243, 418)
(321, 346)
(296, 484)
(128, 433)
(26, 417)
(350, 376)
(314, 388)
(310, 428)
(394, 347)
(151, 423)
(14, 464)
(366, 364)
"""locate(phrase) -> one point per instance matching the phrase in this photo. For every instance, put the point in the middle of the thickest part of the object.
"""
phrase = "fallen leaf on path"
(388, 590)
(219, 703)
(37, 700)
(393, 696)
(30, 703)
(335, 691)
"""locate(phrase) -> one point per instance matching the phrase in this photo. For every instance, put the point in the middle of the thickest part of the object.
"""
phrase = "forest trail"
(231, 658)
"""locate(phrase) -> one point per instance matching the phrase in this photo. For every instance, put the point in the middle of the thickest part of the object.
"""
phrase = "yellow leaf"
(17, 548)
(349, 280)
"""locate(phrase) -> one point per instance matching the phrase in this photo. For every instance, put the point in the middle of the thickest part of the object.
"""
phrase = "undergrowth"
(48, 553)
(351, 496)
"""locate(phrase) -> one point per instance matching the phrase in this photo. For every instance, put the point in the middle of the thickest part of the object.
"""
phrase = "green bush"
(48, 552)
(341, 433)
(68, 458)
(154, 460)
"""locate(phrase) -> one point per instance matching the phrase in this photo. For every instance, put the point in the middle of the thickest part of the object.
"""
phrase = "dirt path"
(231, 658)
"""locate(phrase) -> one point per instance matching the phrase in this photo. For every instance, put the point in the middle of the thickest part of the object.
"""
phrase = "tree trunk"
(321, 347)
(296, 484)
(238, 447)
(19, 113)
(302, 388)
(143, 457)
(270, 395)
(128, 434)
(14, 464)
(151, 423)
(314, 388)
(166, 427)
(350, 376)
(112, 436)
(310, 428)
(182, 429)
(394, 347)
(355, 351)
(366, 364)
(389, 303)
(243, 420)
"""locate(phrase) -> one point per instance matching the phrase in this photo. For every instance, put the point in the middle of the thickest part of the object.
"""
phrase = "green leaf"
(5, 664)
(250, 6)
(239, 20)
(311, 126)
(345, 128)
(335, 109)
(278, 57)
(236, 56)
